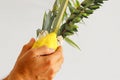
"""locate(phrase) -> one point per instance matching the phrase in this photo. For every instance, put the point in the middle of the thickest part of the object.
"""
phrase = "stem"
(59, 17)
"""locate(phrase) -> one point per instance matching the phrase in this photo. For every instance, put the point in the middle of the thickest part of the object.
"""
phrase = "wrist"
(17, 75)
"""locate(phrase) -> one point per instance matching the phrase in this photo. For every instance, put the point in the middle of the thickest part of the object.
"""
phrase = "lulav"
(62, 19)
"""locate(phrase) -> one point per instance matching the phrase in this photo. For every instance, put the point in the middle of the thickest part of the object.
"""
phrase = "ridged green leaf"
(69, 41)
(47, 21)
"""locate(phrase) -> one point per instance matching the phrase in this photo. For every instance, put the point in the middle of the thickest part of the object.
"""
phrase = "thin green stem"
(59, 17)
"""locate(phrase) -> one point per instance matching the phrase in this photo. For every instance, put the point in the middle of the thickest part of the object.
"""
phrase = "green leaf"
(68, 33)
(85, 15)
(73, 3)
(94, 7)
(77, 4)
(99, 1)
(76, 20)
(38, 31)
(71, 8)
(69, 41)
(47, 22)
(71, 17)
(76, 11)
(87, 3)
(89, 11)
(72, 27)
(55, 6)
(44, 19)
(60, 2)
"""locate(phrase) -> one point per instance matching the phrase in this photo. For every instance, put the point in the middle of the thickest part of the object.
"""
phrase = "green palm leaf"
(69, 41)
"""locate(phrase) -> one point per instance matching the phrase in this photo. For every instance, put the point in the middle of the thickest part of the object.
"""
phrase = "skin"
(36, 64)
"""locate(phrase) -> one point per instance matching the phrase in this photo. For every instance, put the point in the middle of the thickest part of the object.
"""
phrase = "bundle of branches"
(62, 19)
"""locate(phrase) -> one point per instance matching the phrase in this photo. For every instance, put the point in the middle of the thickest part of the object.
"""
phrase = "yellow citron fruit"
(50, 40)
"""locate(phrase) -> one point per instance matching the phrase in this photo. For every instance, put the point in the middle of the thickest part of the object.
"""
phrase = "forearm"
(13, 77)
(17, 76)
(5, 78)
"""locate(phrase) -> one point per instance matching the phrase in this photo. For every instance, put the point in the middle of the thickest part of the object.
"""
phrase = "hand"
(36, 64)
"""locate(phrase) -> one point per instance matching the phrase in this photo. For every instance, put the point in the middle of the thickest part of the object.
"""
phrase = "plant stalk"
(60, 15)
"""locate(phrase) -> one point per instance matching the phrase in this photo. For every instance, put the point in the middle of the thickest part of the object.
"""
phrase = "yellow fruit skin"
(50, 40)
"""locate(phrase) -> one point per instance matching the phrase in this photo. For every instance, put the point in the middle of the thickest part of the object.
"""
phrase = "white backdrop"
(99, 39)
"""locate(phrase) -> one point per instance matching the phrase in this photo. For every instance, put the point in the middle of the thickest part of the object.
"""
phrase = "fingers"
(55, 63)
(42, 51)
(59, 60)
(57, 66)
(49, 55)
(26, 47)
(47, 65)
(29, 45)
(56, 55)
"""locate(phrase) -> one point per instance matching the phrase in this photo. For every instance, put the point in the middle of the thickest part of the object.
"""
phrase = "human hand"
(36, 64)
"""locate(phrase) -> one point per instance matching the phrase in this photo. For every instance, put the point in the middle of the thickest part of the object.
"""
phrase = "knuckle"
(37, 77)
(49, 62)
(50, 78)
(32, 52)
(51, 73)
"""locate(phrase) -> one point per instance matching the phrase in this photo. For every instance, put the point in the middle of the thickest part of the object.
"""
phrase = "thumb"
(27, 46)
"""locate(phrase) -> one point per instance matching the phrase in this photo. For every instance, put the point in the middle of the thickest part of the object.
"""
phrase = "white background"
(99, 39)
